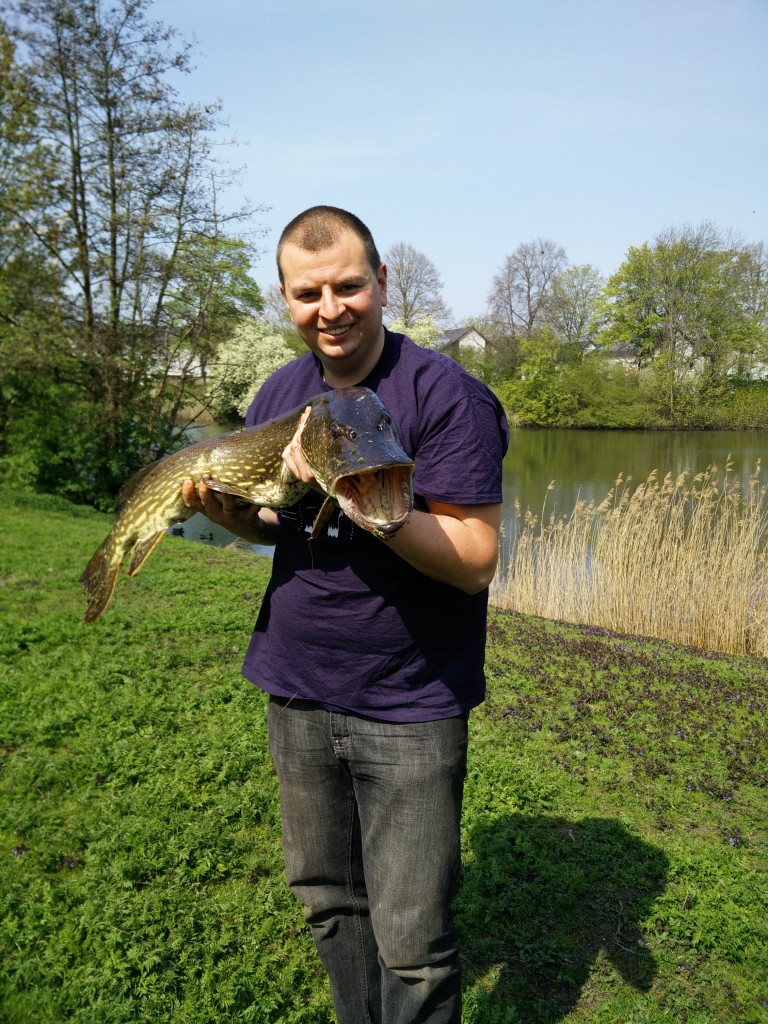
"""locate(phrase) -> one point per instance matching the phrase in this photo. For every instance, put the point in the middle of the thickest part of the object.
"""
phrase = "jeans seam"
(355, 903)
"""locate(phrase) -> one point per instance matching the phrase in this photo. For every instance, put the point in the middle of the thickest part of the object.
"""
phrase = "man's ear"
(381, 277)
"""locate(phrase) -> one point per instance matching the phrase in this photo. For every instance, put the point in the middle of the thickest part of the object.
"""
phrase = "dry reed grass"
(682, 559)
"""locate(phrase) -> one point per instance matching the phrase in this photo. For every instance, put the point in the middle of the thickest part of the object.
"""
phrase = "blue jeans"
(371, 813)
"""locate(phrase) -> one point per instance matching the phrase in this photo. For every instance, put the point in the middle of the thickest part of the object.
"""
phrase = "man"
(372, 650)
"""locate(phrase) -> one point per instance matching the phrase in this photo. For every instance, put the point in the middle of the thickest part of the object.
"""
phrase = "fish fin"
(100, 579)
(142, 549)
(129, 487)
(322, 516)
(224, 488)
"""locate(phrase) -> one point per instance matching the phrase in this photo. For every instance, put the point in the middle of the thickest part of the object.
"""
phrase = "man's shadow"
(541, 898)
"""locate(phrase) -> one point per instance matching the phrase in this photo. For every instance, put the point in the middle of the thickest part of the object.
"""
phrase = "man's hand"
(252, 523)
(293, 456)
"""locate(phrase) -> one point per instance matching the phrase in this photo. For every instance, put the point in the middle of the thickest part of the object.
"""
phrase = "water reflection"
(585, 464)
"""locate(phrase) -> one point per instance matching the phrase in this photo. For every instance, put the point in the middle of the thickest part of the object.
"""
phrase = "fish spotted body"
(348, 440)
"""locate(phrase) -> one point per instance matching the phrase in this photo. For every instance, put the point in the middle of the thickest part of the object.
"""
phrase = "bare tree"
(414, 288)
(572, 305)
(523, 287)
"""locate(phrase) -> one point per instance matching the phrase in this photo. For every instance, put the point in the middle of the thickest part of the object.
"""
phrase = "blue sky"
(466, 128)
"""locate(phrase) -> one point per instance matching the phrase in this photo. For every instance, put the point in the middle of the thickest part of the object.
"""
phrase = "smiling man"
(372, 650)
(335, 303)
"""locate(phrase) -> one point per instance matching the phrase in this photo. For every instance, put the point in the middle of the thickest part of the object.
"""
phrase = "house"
(461, 339)
(628, 355)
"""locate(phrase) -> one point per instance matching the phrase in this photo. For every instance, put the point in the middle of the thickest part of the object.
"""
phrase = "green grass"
(615, 849)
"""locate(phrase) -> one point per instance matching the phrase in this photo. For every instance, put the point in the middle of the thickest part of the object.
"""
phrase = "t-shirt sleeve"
(459, 457)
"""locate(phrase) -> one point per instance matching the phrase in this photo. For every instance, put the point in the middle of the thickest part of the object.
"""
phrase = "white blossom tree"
(424, 332)
(242, 364)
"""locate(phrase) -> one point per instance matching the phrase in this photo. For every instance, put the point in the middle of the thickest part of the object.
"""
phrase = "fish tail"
(100, 578)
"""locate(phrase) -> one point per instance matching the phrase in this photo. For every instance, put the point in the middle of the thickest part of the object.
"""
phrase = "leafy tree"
(414, 288)
(750, 271)
(242, 364)
(605, 394)
(539, 397)
(127, 212)
(684, 298)
(30, 284)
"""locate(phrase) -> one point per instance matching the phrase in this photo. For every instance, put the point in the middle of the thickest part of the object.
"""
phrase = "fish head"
(354, 450)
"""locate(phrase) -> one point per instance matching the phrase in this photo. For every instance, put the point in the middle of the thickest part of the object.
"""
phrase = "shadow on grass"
(542, 900)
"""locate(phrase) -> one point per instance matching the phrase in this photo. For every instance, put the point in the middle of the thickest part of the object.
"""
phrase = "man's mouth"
(336, 332)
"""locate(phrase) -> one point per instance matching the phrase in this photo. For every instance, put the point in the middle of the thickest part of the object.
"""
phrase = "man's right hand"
(252, 523)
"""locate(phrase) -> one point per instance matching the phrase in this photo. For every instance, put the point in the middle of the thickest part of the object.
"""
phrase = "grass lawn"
(615, 848)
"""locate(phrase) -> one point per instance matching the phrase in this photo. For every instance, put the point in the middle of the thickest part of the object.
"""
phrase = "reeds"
(682, 559)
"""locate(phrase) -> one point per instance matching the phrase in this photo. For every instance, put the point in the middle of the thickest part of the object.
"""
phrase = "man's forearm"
(454, 544)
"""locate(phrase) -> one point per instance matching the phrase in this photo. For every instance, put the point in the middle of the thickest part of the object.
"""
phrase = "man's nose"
(330, 306)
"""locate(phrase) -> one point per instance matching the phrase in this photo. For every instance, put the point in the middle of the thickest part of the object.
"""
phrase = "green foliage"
(55, 440)
(688, 298)
(692, 306)
(120, 276)
(539, 397)
(606, 394)
(744, 407)
(614, 848)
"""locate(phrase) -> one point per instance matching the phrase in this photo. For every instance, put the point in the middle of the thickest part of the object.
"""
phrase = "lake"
(584, 464)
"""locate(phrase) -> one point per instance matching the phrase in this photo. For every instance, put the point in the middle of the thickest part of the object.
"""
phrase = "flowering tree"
(424, 332)
(242, 364)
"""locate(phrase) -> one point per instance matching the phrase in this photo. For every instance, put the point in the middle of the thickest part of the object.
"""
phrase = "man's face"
(335, 300)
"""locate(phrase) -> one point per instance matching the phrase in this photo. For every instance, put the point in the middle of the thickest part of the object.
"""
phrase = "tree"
(538, 396)
(242, 364)
(572, 306)
(684, 302)
(751, 280)
(128, 212)
(414, 288)
(522, 290)
(424, 332)
(30, 284)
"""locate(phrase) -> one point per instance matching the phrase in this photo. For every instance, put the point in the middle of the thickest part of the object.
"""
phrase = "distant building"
(461, 339)
(628, 355)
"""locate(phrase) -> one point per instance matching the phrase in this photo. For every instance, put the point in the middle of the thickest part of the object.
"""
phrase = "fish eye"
(385, 420)
(334, 430)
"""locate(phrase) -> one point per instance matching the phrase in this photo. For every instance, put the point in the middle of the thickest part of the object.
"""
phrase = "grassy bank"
(614, 853)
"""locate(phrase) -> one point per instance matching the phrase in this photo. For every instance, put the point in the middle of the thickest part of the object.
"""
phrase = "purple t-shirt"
(345, 621)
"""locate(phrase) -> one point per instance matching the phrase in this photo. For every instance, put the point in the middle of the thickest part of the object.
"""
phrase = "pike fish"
(348, 439)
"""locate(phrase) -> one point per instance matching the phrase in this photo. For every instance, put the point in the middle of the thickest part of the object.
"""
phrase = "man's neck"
(340, 377)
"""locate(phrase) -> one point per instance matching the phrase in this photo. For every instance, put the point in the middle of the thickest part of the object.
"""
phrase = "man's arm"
(456, 544)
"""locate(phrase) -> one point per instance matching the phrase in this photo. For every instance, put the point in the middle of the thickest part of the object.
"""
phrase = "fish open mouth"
(379, 499)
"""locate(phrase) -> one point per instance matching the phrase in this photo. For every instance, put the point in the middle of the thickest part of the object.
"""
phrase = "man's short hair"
(319, 227)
